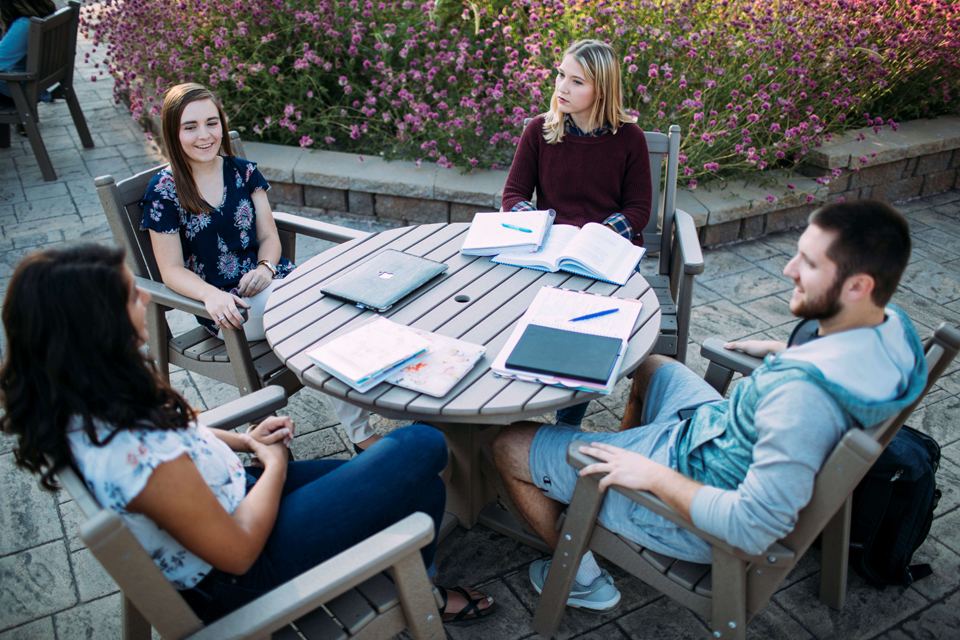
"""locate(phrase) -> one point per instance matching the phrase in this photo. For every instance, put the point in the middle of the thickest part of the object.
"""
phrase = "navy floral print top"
(219, 246)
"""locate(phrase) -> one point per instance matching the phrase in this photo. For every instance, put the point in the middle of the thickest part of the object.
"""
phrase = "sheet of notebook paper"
(556, 308)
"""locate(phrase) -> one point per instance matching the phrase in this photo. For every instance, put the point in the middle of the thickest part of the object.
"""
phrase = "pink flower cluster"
(752, 85)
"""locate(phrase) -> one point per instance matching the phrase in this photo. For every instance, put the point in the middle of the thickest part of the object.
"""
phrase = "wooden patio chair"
(747, 581)
(672, 235)
(671, 232)
(51, 48)
(348, 596)
(232, 360)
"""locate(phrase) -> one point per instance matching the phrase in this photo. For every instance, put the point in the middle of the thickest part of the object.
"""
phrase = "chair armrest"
(167, 297)
(164, 295)
(712, 349)
(316, 229)
(17, 77)
(646, 499)
(689, 242)
(324, 582)
(254, 406)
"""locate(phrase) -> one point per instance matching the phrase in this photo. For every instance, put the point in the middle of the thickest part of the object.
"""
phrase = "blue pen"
(515, 228)
(594, 315)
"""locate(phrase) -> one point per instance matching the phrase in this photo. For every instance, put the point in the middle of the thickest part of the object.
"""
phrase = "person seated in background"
(77, 390)
(212, 228)
(742, 468)
(15, 21)
(585, 157)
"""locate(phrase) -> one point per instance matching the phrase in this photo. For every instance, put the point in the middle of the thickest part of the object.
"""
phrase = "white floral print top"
(118, 472)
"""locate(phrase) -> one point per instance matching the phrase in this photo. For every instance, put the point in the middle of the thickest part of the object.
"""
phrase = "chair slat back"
(121, 204)
(237, 145)
(859, 449)
(658, 145)
(51, 46)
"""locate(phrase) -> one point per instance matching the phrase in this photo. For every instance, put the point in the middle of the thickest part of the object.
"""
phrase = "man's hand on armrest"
(640, 473)
(756, 348)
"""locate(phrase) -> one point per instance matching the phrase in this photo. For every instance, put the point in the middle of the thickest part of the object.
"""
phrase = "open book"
(595, 251)
(501, 231)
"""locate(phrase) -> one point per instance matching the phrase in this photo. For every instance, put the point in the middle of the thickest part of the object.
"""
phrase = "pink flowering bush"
(751, 84)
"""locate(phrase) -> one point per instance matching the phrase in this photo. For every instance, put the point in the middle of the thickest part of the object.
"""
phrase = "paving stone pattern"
(51, 587)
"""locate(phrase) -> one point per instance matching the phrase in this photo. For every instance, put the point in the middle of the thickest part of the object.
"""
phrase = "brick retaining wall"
(920, 159)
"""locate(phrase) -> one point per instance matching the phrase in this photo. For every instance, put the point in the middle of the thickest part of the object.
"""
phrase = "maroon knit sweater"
(584, 179)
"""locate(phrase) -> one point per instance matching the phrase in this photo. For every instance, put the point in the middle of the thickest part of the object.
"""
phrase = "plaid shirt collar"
(572, 129)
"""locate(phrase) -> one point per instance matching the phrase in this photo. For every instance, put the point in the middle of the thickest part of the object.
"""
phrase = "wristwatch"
(270, 266)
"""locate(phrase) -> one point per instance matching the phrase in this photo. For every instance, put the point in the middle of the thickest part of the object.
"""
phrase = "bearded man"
(741, 468)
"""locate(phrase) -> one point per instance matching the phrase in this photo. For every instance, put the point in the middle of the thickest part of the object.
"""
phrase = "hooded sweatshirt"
(759, 451)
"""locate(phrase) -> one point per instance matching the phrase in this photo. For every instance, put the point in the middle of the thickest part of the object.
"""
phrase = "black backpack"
(893, 509)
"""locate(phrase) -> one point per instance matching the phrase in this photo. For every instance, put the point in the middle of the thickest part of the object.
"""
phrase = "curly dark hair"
(72, 352)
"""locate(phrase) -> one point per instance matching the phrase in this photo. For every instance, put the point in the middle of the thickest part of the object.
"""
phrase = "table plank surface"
(475, 300)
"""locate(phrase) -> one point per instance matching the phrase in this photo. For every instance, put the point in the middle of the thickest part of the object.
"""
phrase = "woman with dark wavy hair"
(76, 390)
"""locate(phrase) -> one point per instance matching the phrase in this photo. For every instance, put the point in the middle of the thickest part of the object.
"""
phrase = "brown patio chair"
(51, 47)
(232, 360)
(748, 581)
(348, 596)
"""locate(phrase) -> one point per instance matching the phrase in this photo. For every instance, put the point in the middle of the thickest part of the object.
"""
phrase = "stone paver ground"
(51, 587)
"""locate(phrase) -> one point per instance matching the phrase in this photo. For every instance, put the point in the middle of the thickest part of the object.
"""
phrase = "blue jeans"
(571, 416)
(330, 505)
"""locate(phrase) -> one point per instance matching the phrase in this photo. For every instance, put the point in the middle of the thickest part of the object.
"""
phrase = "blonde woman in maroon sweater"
(585, 157)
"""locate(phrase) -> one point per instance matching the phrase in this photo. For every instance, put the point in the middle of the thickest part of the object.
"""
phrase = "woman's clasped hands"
(270, 439)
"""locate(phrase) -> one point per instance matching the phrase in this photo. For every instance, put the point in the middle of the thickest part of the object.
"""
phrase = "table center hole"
(462, 298)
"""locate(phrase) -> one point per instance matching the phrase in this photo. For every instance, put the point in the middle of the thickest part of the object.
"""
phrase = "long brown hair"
(73, 354)
(602, 68)
(175, 101)
(10, 10)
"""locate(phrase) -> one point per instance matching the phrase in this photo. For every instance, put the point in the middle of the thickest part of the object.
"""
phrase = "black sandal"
(469, 612)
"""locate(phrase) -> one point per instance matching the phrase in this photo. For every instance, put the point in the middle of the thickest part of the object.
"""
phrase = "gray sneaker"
(600, 596)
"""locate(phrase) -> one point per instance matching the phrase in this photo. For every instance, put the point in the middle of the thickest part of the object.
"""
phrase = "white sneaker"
(600, 596)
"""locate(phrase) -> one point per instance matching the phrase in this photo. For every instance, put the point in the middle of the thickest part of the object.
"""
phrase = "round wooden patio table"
(475, 300)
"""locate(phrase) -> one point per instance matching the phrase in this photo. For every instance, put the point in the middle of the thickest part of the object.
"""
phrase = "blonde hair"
(602, 68)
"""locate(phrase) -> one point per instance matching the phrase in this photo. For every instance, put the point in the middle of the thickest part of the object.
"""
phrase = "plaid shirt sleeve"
(526, 205)
(619, 223)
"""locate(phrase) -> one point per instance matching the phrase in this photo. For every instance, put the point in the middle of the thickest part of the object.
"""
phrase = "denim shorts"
(672, 389)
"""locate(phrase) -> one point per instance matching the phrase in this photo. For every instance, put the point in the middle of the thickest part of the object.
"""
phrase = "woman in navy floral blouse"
(218, 254)
(210, 222)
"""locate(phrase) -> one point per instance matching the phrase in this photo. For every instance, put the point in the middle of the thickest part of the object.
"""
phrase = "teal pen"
(594, 315)
(515, 228)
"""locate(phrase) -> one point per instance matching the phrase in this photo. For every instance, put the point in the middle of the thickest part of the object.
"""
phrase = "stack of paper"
(569, 339)
(369, 352)
(507, 231)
